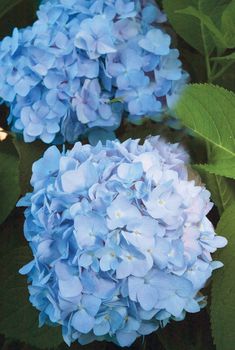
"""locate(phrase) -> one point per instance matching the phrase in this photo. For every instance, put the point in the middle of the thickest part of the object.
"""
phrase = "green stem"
(207, 59)
(208, 67)
(218, 74)
(9, 7)
(208, 150)
(214, 68)
(143, 347)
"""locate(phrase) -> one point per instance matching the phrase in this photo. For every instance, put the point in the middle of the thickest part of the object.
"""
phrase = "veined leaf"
(190, 28)
(227, 24)
(221, 163)
(209, 112)
(222, 189)
(223, 286)
(206, 21)
(223, 167)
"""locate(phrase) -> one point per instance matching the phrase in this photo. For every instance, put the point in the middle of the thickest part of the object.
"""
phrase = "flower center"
(161, 202)
(118, 214)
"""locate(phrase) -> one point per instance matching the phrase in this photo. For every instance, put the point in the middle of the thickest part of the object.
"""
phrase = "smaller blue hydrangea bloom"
(120, 239)
(85, 65)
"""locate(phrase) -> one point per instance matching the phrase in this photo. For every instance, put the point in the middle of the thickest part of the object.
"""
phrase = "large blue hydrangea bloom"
(84, 64)
(120, 239)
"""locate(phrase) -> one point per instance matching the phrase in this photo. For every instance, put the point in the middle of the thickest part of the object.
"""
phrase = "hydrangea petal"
(119, 245)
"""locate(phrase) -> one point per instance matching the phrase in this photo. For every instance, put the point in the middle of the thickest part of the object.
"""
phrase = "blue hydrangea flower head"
(85, 65)
(120, 239)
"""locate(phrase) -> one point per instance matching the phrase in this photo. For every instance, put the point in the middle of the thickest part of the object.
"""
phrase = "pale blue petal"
(82, 321)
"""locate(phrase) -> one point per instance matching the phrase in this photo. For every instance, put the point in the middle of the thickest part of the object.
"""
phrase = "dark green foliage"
(9, 175)
(16, 13)
(19, 320)
(208, 111)
(223, 288)
(28, 153)
(190, 334)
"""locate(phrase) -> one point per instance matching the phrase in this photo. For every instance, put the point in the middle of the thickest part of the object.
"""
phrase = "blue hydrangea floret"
(84, 65)
(120, 239)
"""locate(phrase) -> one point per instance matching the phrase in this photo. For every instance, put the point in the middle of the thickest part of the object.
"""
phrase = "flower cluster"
(120, 239)
(83, 65)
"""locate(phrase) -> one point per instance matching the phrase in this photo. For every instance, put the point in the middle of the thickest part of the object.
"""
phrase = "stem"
(9, 7)
(208, 67)
(208, 150)
(143, 347)
(214, 69)
(207, 59)
(218, 74)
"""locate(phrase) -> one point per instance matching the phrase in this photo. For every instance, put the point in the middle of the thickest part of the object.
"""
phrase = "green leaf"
(227, 24)
(19, 320)
(209, 112)
(9, 175)
(223, 192)
(206, 21)
(223, 287)
(222, 189)
(223, 167)
(221, 163)
(29, 153)
(189, 27)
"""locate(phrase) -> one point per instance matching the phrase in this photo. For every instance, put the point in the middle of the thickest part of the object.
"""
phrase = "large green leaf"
(223, 287)
(206, 21)
(222, 167)
(19, 320)
(220, 163)
(209, 112)
(9, 177)
(227, 24)
(190, 28)
(222, 189)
